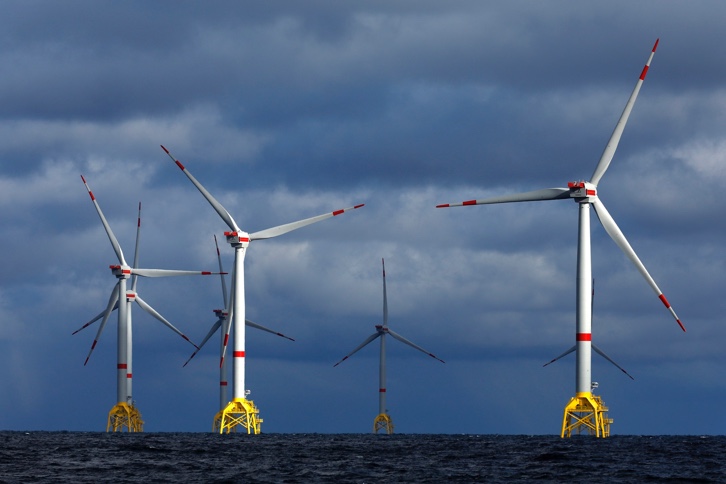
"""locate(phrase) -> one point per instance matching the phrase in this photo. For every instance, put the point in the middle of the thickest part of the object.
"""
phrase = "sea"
(78, 457)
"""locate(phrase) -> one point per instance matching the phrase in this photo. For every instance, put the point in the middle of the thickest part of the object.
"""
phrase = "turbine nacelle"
(120, 271)
(582, 191)
(238, 239)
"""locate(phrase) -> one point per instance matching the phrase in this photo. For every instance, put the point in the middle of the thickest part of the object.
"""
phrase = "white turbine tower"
(241, 411)
(383, 421)
(125, 415)
(586, 412)
(222, 318)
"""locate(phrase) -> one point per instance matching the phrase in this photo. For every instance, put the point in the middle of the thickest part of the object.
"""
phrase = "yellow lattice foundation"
(383, 422)
(239, 412)
(586, 413)
(124, 417)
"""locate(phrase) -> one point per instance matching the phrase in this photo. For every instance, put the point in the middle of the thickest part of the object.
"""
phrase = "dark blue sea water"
(339, 458)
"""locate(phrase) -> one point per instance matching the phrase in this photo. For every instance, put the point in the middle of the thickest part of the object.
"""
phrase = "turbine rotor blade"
(114, 242)
(96, 318)
(283, 229)
(170, 273)
(223, 213)
(211, 332)
(221, 273)
(259, 326)
(561, 356)
(612, 145)
(404, 340)
(385, 297)
(112, 303)
(616, 234)
(227, 326)
(533, 196)
(135, 277)
(368, 340)
(158, 316)
(601, 353)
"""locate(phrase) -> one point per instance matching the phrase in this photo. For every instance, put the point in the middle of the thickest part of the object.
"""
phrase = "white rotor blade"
(601, 353)
(612, 145)
(259, 326)
(169, 273)
(227, 326)
(135, 277)
(112, 303)
(561, 356)
(96, 318)
(533, 196)
(283, 229)
(212, 201)
(114, 242)
(385, 296)
(158, 316)
(221, 273)
(211, 332)
(404, 340)
(614, 231)
(368, 340)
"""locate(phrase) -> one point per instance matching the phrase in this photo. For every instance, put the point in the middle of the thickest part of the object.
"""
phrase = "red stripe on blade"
(469, 202)
(664, 300)
(338, 212)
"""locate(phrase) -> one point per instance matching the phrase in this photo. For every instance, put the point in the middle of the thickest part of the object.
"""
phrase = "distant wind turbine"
(125, 415)
(241, 411)
(383, 421)
(585, 411)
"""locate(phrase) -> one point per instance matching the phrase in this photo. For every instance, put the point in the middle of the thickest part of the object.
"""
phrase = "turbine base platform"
(240, 412)
(586, 414)
(383, 422)
(124, 417)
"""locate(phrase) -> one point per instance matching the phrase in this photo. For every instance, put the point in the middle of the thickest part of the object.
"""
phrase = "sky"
(285, 110)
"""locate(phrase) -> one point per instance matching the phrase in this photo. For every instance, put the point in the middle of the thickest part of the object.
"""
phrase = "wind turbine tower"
(586, 412)
(125, 415)
(241, 411)
(383, 421)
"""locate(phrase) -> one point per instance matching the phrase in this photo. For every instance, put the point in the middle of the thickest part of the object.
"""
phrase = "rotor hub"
(582, 191)
(238, 239)
(120, 271)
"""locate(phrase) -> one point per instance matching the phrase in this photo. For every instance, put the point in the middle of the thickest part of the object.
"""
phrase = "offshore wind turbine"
(383, 421)
(585, 411)
(222, 318)
(241, 411)
(125, 414)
